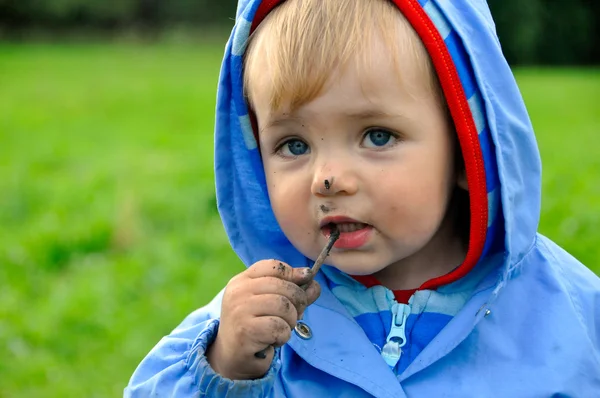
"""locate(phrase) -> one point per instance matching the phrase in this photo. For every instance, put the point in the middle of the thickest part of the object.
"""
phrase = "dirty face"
(374, 154)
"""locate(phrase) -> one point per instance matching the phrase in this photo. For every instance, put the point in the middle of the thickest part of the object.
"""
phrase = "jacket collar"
(337, 338)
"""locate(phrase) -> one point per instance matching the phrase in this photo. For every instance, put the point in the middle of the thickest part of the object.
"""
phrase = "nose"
(334, 178)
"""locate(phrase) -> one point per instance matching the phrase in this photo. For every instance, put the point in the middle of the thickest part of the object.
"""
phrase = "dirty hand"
(259, 310)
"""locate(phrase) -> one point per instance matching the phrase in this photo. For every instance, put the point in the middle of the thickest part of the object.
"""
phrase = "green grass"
(563, 105)
(108, 227)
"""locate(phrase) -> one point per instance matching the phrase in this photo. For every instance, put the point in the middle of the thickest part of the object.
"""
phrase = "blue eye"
(294, 147)
(378, 138)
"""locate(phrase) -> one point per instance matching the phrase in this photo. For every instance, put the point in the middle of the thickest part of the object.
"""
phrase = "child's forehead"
(373, 68)
(349, 100)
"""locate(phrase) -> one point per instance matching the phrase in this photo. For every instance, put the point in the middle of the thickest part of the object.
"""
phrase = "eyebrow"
(369, 114)
(281, 121)
(278, 121)
(359, 114)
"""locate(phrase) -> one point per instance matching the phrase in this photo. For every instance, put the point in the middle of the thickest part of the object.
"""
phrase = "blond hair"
(301, 42)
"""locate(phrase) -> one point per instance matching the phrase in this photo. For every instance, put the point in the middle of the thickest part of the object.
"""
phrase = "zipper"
(396, 339)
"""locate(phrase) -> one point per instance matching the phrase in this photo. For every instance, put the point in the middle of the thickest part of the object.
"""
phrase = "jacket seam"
(519, 263)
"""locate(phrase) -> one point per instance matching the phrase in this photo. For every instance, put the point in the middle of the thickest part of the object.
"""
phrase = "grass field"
(109, 233)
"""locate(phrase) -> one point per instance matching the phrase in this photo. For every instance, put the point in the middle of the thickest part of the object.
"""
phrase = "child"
(398, 124)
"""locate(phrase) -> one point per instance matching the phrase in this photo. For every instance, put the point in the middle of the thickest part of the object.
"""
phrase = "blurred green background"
(109, 234)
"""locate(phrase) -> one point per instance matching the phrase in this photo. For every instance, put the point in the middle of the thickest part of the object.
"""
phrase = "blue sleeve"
(177, 367)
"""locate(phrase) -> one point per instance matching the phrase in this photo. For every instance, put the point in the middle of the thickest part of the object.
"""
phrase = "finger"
(299, 276)
(270, 268)
(273, 285)
(270, 330)
(313, 291)
(274, 305)
(280, 270)
(302, 276)
(239, 285)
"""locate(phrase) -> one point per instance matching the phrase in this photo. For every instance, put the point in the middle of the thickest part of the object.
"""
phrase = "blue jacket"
(530, 327)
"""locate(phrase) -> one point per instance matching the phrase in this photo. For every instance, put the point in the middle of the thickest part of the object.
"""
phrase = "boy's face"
(385, 145)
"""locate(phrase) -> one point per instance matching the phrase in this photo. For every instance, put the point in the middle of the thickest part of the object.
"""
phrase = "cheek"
(414, 200)
(432, 173)
(288, 198)
(413, 217)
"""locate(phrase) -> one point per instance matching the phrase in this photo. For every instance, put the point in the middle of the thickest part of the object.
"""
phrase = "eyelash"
(279, 147)
(395, 136)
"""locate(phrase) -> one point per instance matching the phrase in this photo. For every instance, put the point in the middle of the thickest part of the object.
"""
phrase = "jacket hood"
(495, 134)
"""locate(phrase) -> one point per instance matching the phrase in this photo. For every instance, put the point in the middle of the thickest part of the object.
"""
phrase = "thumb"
(302, 277)
(313, 291)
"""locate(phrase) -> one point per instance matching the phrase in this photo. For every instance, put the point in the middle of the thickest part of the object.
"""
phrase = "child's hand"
(260, 308)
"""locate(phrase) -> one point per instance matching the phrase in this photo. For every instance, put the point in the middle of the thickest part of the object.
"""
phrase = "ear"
(461, 179)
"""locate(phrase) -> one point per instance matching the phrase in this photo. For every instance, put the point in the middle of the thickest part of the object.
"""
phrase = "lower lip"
(353, 240)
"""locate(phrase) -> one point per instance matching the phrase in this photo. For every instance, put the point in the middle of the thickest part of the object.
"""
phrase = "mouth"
(343, 224)
(353, 233)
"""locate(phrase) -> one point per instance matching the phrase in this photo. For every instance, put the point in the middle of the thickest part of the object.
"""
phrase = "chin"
(357, 270)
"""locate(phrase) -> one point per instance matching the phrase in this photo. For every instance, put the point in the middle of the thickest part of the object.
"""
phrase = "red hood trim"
(467, 136)
(465, 127)
(263, 9)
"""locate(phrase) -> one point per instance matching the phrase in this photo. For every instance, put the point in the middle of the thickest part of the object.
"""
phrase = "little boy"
(399, 125)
